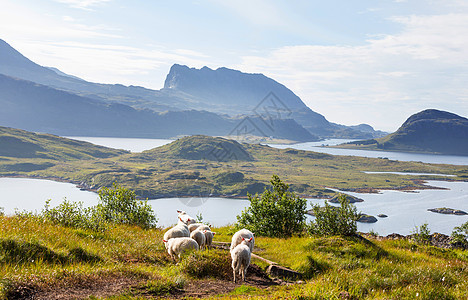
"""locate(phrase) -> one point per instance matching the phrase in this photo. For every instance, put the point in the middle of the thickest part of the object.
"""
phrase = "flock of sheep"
(188, 235)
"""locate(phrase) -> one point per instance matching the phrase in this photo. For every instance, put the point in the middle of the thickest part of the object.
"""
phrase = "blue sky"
(374, 62)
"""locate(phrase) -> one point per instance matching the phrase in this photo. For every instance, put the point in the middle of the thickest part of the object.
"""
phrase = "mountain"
(221, 91)
(34, 107)
(429, 131)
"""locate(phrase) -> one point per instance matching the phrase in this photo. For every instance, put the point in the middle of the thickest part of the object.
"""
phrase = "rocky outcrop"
(448, 211)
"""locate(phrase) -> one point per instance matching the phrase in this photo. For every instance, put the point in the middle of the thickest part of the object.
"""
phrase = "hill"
(429, 131)
(199, 147)
(17, 143)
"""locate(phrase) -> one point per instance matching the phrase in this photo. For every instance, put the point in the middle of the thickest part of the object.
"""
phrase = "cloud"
(387, 78)
(83, 4)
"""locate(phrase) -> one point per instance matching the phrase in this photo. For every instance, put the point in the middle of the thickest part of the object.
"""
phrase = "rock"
(448, 211)
(280, 271)
(351, 199)
(367, 219)
(382, 216)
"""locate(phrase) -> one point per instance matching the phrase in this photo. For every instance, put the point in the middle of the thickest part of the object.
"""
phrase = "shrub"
(422, 234)
(275, 213)
(460, 235)
(119, 205)
(330, 220)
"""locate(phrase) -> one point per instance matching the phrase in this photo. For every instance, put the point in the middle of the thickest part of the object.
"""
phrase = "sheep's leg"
(244, 273)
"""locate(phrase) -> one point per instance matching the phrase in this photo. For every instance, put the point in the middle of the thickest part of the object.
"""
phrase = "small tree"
(422, 234)
(275, 213)
(330, 220)
(460, 234)
(119, 205)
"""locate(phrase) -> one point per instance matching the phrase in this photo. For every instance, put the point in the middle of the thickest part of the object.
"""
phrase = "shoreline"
(421, 185)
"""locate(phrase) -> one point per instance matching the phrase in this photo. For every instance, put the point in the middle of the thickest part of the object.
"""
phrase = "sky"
(368, 61)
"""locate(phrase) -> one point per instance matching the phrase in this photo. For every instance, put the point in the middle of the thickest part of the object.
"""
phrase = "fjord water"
(404, 210)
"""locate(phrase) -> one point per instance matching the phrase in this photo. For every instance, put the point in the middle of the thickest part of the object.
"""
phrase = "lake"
(139, 145)
(404, 210)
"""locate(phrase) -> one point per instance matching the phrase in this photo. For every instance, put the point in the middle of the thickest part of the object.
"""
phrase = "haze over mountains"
(205, 101)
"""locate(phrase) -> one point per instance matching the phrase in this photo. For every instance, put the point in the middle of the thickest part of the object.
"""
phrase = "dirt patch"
(105, 287)
(256, 277)
(79, 290)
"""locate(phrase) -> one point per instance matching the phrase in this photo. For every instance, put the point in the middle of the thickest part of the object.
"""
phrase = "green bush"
(422, 234)
(460, 235)
(119, 205)
(331, 220)
(275, 213)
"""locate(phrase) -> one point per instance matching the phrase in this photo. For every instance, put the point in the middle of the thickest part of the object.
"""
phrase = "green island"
(206, 166)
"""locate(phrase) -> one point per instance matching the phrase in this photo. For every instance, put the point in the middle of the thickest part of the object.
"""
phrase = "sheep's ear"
(179, 211)
(251, 239)
(164, 241)
(188, 219)
(209, 225)
(214, 233)
(243, 239)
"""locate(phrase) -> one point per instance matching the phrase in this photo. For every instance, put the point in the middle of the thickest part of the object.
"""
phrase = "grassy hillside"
(168, 172)
(16, 143)
(44, 261)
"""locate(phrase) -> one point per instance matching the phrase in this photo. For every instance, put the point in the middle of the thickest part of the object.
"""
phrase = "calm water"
(404, 210)
(130, 144)
(31, 194)
(427, 158)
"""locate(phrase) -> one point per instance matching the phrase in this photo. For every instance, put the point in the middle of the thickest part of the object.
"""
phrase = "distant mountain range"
(213, 102)
(429, 131)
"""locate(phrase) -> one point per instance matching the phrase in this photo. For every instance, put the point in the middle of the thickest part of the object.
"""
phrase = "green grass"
(38, 256)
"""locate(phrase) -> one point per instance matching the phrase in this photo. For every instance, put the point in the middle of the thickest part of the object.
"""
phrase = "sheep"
(238, 236)
(201, 226)
(241, 255)
(209, 237)
(176, 246)
(185, 218)
(199, 237)
(180, 230)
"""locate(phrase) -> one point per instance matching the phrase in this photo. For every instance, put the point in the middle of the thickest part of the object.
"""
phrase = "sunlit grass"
(333, 267)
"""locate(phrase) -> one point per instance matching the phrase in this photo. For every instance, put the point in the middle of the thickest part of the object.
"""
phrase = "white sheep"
(185, 218)
(239, 236)
(241, 255)
(199, 237)
(208, 237)
(180, 230)
(201, 226)
(177, 246)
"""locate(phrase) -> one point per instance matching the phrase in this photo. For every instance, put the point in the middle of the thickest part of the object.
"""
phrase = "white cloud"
(83, 4)
(388, 78)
